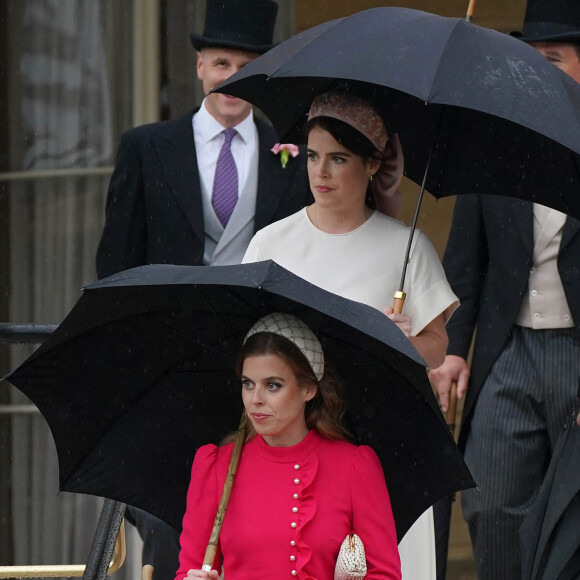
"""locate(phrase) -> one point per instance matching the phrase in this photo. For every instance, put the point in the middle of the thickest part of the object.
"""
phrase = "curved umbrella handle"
(211, 550)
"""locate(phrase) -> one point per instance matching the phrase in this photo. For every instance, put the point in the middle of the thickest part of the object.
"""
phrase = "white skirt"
(417, 550)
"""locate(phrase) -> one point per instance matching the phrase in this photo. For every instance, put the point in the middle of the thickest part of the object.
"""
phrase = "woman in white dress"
(343, 245)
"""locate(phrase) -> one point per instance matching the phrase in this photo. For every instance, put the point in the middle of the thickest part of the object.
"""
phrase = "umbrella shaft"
(470, 10)
(415, 218)
(418, 205)
(211, 550)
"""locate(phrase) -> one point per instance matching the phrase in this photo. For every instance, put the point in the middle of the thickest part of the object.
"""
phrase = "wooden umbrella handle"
(398, 301)
(211, 550)
(452, 407)
(147, 572)
(470, 9)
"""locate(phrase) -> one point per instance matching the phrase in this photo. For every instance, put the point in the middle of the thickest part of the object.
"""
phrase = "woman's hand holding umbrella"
(212, 575)
(401, 320)
(428, 343)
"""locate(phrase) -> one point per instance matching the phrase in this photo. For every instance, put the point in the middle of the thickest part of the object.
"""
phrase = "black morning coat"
(154, 208)
(487, 262)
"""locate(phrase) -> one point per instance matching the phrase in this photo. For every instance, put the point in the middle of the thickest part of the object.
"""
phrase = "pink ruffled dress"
(289, 511)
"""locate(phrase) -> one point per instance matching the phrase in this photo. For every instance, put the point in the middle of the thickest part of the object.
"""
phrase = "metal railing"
(69, 570)
(25, 333)
(108, 549)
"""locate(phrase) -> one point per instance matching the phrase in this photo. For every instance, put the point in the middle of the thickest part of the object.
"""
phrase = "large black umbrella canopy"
(550, 534)
(501, 119)
(141, 373)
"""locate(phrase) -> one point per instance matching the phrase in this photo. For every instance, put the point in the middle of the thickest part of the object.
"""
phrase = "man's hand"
(453, 369)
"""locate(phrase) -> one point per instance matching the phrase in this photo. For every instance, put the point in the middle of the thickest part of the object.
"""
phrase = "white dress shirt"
(208, 136)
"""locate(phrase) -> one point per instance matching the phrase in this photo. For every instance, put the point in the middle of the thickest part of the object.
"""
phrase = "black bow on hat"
(238, 24)
(551, 21)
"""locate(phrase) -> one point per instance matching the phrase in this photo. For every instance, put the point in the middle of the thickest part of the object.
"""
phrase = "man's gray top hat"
(238, 24)
(551, 21)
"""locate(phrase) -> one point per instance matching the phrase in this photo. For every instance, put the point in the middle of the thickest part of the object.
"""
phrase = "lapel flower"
(285, 150)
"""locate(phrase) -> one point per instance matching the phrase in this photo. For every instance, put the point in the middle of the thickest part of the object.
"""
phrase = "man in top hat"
(515, 267)
(553, 29)
(194, 190)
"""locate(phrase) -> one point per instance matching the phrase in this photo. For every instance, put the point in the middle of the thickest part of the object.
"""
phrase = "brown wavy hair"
(324, 412)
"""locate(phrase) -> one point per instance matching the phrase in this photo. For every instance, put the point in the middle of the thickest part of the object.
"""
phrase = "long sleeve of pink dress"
(289, 511)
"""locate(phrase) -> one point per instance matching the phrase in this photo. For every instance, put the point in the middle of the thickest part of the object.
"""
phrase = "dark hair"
(346, 135)
(325, 410)
(352, 140)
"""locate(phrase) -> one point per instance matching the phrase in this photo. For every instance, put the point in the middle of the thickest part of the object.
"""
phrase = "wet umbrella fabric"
(141, 373)
(550, 534)
(505, 119)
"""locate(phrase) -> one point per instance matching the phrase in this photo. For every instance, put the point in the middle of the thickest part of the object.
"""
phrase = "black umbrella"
(491, 114)
(550, 534)
(141, 373)
(476, 111)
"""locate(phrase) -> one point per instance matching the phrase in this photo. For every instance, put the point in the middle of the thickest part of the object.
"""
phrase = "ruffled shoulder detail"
(365, 455)
(222, 461)
(204, 463)
(210, 465)
(367, 466)
(205, 456)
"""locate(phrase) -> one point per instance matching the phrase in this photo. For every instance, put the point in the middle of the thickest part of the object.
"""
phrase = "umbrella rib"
(444, 49)
(224, 327)
(74, 467)
(197, 341)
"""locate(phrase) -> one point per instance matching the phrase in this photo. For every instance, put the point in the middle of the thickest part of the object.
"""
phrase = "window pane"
(66, 96)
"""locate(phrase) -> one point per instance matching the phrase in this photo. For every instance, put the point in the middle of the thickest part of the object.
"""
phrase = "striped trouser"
(525, 401)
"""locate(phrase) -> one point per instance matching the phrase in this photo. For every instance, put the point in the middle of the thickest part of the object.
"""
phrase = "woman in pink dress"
(301, 487)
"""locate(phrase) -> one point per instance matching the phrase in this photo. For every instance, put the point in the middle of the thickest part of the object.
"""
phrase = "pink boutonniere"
(285, 150)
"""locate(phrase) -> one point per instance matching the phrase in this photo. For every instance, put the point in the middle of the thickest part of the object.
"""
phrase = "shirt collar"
(210, 128)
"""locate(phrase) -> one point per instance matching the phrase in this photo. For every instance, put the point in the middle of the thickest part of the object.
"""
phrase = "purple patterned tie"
(225, 183)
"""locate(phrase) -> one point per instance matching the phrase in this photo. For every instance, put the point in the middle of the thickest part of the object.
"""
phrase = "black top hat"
(238, 24)
(551, 21)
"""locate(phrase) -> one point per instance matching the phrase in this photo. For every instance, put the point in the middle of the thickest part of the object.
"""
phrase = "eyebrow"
(219, 58)
(272, 378)
(346, 153)
(553, 52)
